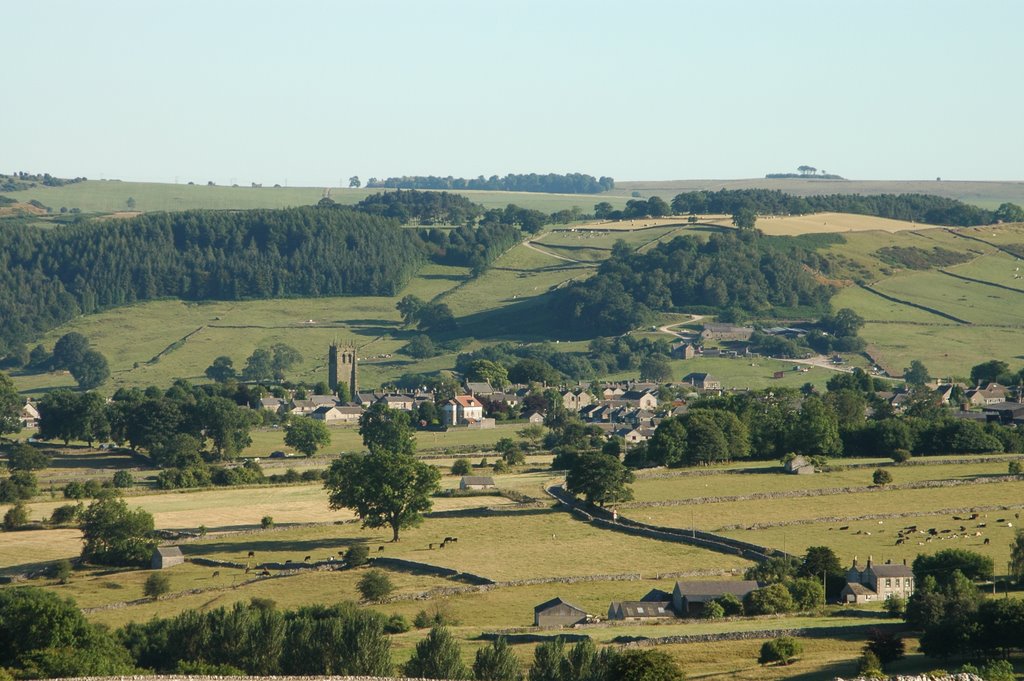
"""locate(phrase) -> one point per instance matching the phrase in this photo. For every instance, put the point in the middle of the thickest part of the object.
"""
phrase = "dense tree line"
(49, 276)
(725, 271)
(776, 423)
(934, 210)
(570, 183)
(21, 180)
(420, 207)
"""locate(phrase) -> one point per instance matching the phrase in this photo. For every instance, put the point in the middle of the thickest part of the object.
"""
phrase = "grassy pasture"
(110, 196)
(987, 194)
(821, 223)
(518, 545)
(945, 350)
(973, 302)
(759, 480)
(714, 515)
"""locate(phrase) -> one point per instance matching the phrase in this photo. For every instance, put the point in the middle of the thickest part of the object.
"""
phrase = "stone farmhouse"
(993, 393)
(29, 417)
(703, 381)
(877, 582)
(477, 482)
(462, 410)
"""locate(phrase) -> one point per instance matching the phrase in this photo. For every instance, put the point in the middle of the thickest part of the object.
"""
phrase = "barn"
(166, 556)
(558, 613)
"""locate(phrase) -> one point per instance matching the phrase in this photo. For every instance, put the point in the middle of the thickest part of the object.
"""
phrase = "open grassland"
(973, 302)
(756, 480)
(111, 196)
(821, 223)
(945, 350)
(518, 544)
(984, 194)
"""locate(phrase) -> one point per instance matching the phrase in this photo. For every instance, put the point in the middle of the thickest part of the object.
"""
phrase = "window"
(897, 582)
(888, 583)
(640, 610)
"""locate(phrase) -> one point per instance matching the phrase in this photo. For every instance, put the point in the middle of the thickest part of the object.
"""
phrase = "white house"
(462, 410)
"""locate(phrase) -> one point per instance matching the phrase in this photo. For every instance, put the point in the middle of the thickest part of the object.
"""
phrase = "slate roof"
(700, 592)
(477, 480)
(893, 570)
(557, 601)
(646, 609)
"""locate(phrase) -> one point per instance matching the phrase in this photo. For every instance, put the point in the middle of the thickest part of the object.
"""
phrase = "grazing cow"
(265, 573)
(1001, 520)
(442, 545)
(844, 527)
(380, 548)
(987, 541)
(306, 559)
(455, 539)
(341, 553)
(430, 546)
(982, 524)
(216, 573)
(287, 561)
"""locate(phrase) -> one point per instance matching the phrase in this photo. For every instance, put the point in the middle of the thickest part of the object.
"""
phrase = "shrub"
(886, 646)
(500, 466)
(497, 662)
(357, 555)
(123, 479)
(1014, 468)
(375, 585)
(62, 571)
(731, 605)
(201, 668)
(16, 516)
(998, 670)
(439, 616)
(74, 490)
(895, 605)
(461, 467)
(771, 600)
(66, 514)
(437, 657)
(901, 455)
(869, 666)
(643, 665)
(881, 476)
(714, 611)
(156, 585)
(397, 624)
(783, 649)
(266, 522)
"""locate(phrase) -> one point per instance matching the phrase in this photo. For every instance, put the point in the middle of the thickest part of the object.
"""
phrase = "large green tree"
(385, 488)
(306, 435)
(116, 535)
(599, 478)
(386, 429)
(10, 406)
(91, 371)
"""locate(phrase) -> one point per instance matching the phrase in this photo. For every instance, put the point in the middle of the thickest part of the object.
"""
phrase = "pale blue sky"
(312, 92)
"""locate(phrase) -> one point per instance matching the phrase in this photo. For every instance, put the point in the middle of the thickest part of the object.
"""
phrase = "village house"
(644, 399)
(877, 582)
(689, 598)
(332, 415)
(274, 404)
(993, 393)
(683, 350)
(462, 410)
(166, 556)
(535, 418)
(301, 407)
(477, 482)
(558, 613)
(399, 401)
(702, 381)
(29, 417)
(574, 400)
(479, 388)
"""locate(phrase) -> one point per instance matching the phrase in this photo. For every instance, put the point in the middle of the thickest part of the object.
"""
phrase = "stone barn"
(476, 482)
(558, 613)
(166, 556)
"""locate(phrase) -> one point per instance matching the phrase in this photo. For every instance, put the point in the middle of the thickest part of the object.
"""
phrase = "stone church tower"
(342, 366)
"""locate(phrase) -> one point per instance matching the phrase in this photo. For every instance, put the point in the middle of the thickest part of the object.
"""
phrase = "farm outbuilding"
(166, 556)
(689, 598)
(476, 482)
(558, 613)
